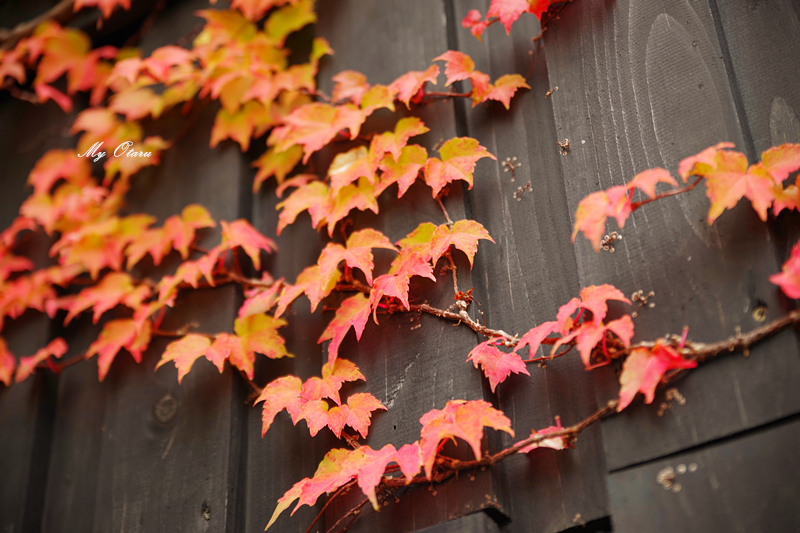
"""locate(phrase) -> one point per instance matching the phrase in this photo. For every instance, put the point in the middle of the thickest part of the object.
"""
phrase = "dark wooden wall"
(640, 84)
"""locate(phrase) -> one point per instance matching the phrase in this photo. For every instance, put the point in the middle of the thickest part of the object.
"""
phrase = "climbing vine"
(239, 59)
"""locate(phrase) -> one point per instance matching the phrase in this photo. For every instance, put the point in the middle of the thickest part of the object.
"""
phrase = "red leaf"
(106, 6)
(361, 197)
(474, 24)
(496, 364)
(394, 142)
(533, 339)
(357, 253)
(259, 333)
(503, 89)
(354, 312)
(59, 164)
(56, 348)
(403, 171)
(395, 284)
(114, 289)
(556, 443)
(350, 85)
(312, 284)
(261, 300)
(643, 370)
(464, 235)
(789, 277)
(314, 197)
(240, 233)
(410, 84)
(780, 161)
(315, 125)
(334, 374)
(282, 393)
(348, 166)
(647, 180)
(357, 413)
(592, 212)
(730, 179)
(702, 163)
(7, 363)
(461, 419)
(459, 66)
(459, 157)
(118, 334)
(185, 352)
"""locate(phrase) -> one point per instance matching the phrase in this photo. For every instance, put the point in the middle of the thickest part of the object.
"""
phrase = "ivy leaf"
(251, 120)
(702, 163)
(780, 161)
(259, 333)
(395, 284)
(459, 156)
(592, 298)
(357, 253)
(508, 11)
(377, 97)
(359, 196)
(118, 334)
(592, 212)
(789, 277)
(643, 370)
(56, 348)
(310, 282)
(402, 170)
(419, 241)
(348, 166)
(504, 89)
(459, 66)
(334, 374)
(357, 413)
(137, 103)
(261, 300)
(289, 19)
(276, 163)
(496, 364)
(349, 85)
(59, 164)
(732, 180)
(474, 24)
(647, 180)
(354, 312)
(315, 125)
(240, 233)
(410, 84)
(7, 363)
(314, 197)
(114, 289)
(105, 6)
(461, 419)
(533, 338)
(556, 443)
(464, 235)
(185, 352)
(279, 394)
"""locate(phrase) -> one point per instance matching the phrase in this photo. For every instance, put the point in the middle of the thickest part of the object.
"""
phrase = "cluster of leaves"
(506, 12)
(727, 178)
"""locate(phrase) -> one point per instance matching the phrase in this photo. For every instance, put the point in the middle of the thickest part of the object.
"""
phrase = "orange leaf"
(459, 66)
(459, 156)
(354, 312)
(118, 334)
(7, 363)
(464, 235)
(185, 352)
(643, 370)
(240, 233)
(56, 348)
(410, 84)
(279, 394)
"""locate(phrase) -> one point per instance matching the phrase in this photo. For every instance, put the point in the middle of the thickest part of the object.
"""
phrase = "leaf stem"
(637, 205)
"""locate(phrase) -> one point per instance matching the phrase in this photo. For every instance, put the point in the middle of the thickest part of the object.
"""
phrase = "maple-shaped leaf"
(357, 414)
(592, 212)
(592, 298)
(393, 141)
(403, 170)
(458, 159)
(496, 364)
(474, 24)
(533, 338)
(508, 11)
(314, 197)
(357, 253)
(396, 283)
(289, 19)
(118, 334)
(12, 263)
(556, 443)
(56, 348)
(259, 333)
(459, 66)
(251, 120)
(334, 374)
(7, 363)
(588, 335)
(702, 163)
(279, 394)
(20, 224)
(275, 163)
(349, 85)
(354, 312)
(647, 180)
(503, 89)
(137, 103)
(347, 167)
(419, 241)
(464, 235)
(312, 284)
(789, 277)
(298, 181)
(462, 419)
(59, 164)
(242, 234)
(186, 351)
(643, 370)
(359, 196)
(314, 125)
(732, 180)
(114, 289)
(105, 6)
(315, 413)
(410, 84)
(780, 161)
(377, 97)
(261, 300)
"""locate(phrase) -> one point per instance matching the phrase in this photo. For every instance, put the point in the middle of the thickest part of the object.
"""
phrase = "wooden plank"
(531, 271)
(412, 370)
(26, 409)
(472, 523)
(747, 483)
(139, 452)
(642, 85)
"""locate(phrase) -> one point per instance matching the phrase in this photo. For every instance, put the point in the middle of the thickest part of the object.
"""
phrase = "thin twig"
(249, 381)
(352, 512)
(637, 205)
(60, 12)
(446, 94)
(453, 269)
(330, 499)
(444, 211)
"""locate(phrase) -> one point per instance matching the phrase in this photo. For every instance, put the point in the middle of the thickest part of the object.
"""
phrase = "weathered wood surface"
(640, 84)
(742, 484)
